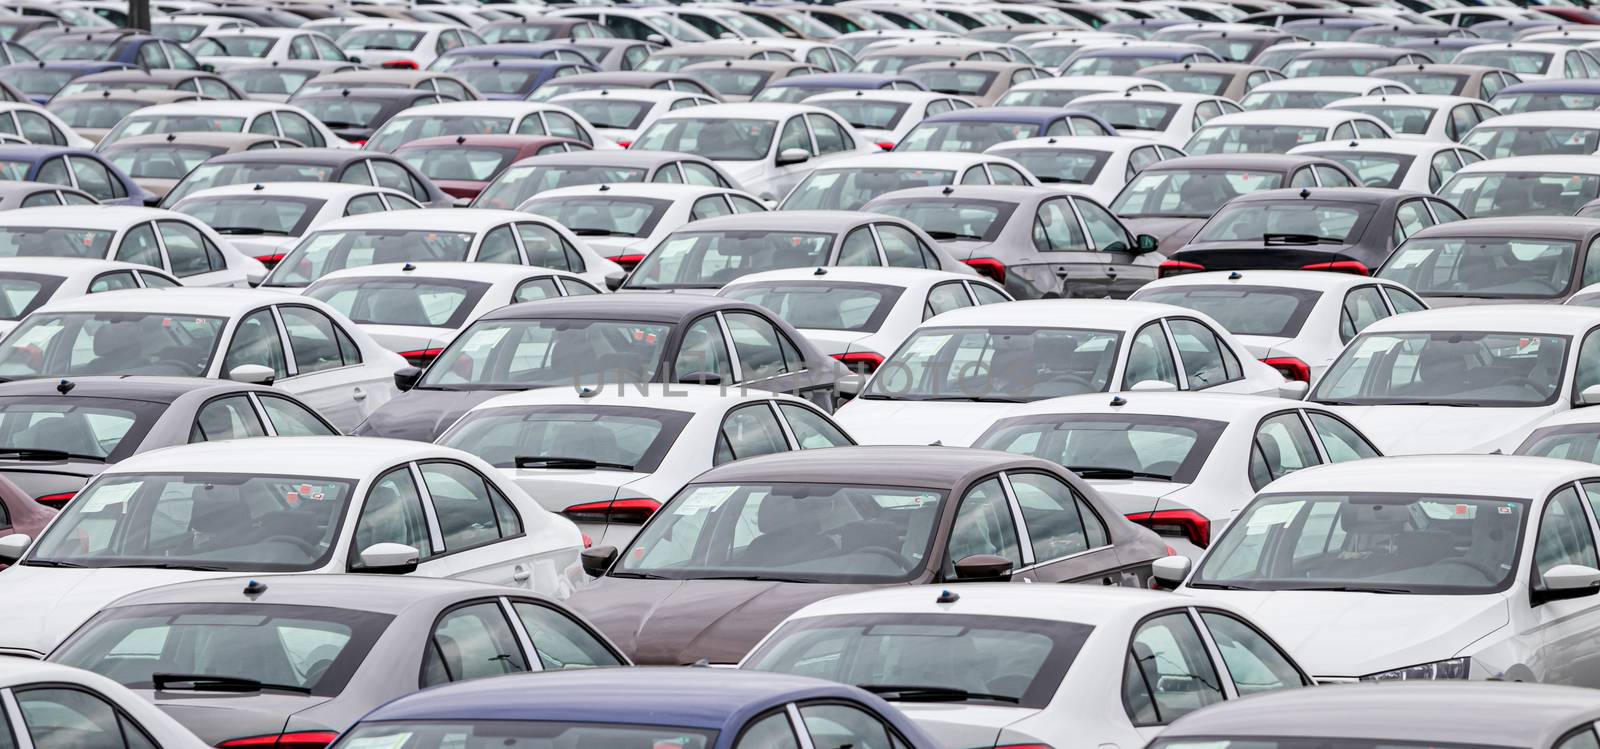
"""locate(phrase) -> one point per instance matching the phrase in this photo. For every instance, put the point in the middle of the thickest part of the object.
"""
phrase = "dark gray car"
(310, 165)
(531, 176)
(1489, 260)
(242, 658)
(748, 543)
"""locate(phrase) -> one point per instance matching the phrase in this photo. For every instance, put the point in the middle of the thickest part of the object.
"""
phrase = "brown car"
(158, 162)
(1475, 81)
(750, 542)
(741, 80)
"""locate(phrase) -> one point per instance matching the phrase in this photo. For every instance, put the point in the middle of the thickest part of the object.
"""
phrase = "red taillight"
(1177, 268)
(588, 543)
(625, 143)
(626, 261)
(271, 261)
(1290, 367)
(1341, 266)
(988, 266)
(627, 511)
(861, 362)
(401, 64)
(886, 145)
(1187, 523)
(300, 740)
(57, 501)
(421, 357)
(361, 142)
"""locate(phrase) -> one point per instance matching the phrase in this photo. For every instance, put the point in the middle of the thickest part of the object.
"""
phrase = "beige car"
(158, 162)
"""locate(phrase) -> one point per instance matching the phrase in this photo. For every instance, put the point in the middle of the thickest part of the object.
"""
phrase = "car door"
(68, 716)
(1564, 641)
(392, 513)
(193, 257)
(474, 639)
(256, 341)
(480, 530)
(1059, 238)
(1167, 673)
(1064, 539)
(1115, 246)
(837, 723)
(767, 358)
(325, 367)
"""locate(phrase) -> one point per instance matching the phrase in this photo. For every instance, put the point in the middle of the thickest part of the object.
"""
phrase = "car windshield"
(1043, 97)
(238, 45)
(1188, 193)
(732, 81)
(245, 172)
(1292, 99)
(512, 33)
(1406, 120)
(1373, 169)
(75, 48)
(423, 302)
(1052, 165)
(275, 81)
(457, 163)
(524, 181)
(889, 64)
(21, 293)
(600, 216)
(1487, 194)
(298, 648)
(403, 129)
(1129, 114)
(58, 344)
(1521, 62)
(246, 215)
(1448, 368)
(716, 138)
(801, 532)
(1252, 138)
(101, 113)
(235, 522)
(709, 259)
(96, 429)
(1111, 446)
(324, 252)
(156, 161)
(1299, 222)
(1501, 142)
(46, 241)
(39, 81)
(865, 114)
(849, 189)
(609, 112)
(1013, 661)
(951, 218)
(821, 305)
(1275, 311)
(618, 438)
(497, 80)
(521, 354)
(1509, 103)
(155, 124)
(954, 80)
(177, 32)
(1001, 364)
(964, 137)
(1107, 65)
(1323, 66)
(380, 40)
(1414, 543)
(1485, 267)
(343, 112)
(1194, 83)
(1443, 84)
(523, 734)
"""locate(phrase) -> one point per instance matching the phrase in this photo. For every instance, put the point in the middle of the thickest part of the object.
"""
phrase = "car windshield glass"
(819, 305)
(790, 531)
(523, 734)
(343, 112)
(403, 129)
(239, 173)
(457, 162)
(274, 215)
(1451, 368)
(849, 189)
(1189, 194)
(1111, 446)
(717, 138)
(96, 429)
(952, 219)
(889, 64)
(1373, 169)
(1443, 84)
(1401, 119)
(1275, 311)
(244, 46)
(45, 241)
(1014, 661)
(599, 216)
(1051, 165)
(1487, 194)
(1107, 65)
(1501, 142)
(1521, 62)
(74, 48)
(732, 81)
(324, 252)
(512, 33)
(709, 259)
(1493, 267)
(1417, 543)
(15, 170)
(39, 81)
(1128, 114)
(520, 354)
(997, 363)
(1322, 66)
(424, 302)
(620, 438)
(1300, 221)
(154, 124)
(866, 114)
(964, 137)
(953, 80)
(153, 161)
(613, 113)
(115, 82)
(177, 32)
(497, 80)
(21, 293)
(232, 522)
(275, 81)
(384, 40)
(1194, 83)
(1292, 99)
(1043, 97)
(104, 114)
(1531, 102)
(519, 183)
(1252, 138)
(57, 344)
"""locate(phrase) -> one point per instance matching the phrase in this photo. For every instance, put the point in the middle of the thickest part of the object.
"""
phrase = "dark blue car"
(41, 80)
(975, 130)
(676, 708)
(129, 47)
(74, 167)
(513, 80)
(795, 89)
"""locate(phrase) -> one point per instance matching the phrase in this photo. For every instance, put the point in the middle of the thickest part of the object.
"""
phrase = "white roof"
(436, 219)
(899, 97)
(910, 160)
(1431, 101)
(1100, 314)
(214, 302)
(1222, 407)
(406, 26)
(256, 31)
(1095, 82)
(1554, 118)
(659, 190)
(1440, 475)
(1311, 117)
(1087, 604)
(19, 671)
(483, 272)
(227, 107)
(107, 217)
(318, 190)
(1107, 143)
(745, 111)
(67, 267)
(333, 457)
(1351, 83)
(1315, 280)
(1542, 319)
(653, 95)
(1409, 146)
(883, 276)
(668, 396)
(1564, 164)
(1554, 49)
(478, 109)
(1165, 97)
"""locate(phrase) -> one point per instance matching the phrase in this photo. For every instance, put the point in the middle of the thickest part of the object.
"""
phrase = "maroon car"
(19, 513)
(462, 165)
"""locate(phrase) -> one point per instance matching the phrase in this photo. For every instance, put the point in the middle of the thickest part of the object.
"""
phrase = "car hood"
(959, 726)
(1417, 430)
(1355, 634)
(952, 424)
(59, 600)
(1171, 232)
(216, 717)
(675, 622)
(421, 415)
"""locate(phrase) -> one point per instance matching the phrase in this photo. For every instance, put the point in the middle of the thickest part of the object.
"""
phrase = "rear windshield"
(1297, 222)
(856, 307)
(1277, 311)
(977, 220)
(93, 428)
(1070, 165)
(21, 293)
(423, 302)
(1111, 446)
(619, 438)
(710, 259)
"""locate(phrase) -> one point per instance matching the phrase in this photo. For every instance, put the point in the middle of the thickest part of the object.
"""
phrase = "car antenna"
(820, 271)
(947, 596)
(1117, 400)
(254, 589)
(1234, 276)
(65, 386)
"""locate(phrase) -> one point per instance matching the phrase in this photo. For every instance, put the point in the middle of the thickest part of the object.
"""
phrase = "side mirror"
(389, 559)
(12, 547)
(1153, 386)
(597, 561)
(1170, 572)
(1293, 390)
(406, 378)
(1560, 583)
(700, 378)
(252, 373)
(1145, 243)
(208, 67)
(655, 39)
(984, 567)
(461, 202)
(1590, 396)
(354, 58)
(793, 156)
(615, 280)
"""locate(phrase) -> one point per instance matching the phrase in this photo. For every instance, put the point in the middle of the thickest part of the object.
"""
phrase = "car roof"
(1108, 143)
(1522, 318)
(664, 396)
(1411, 146)
(613, 157)
(759, 110)
(821, 80)
(375, 593)
(333, 457)
(1320, 83)
(1231, 68)
(496, 140)
(133, 387)
(659, 190)
(828, 221)
(1563, 164)
(922, 466)
(1554, 227)
(665, 308)
(1009, 114)
(1169, 97)
(455, 219)
(219, 301)
(320, 156)
(1112, 314)
(224, 140)
(113, 217)
(321, 190)
(1086, 604)
(846, 275)
(631, 94)
(1313, 117)
(490, 273)
(1223, 407)
(33, 152)
(368, 93)
(1240, 161)
(1436, 101)
(881, 94)
(1291, 279)
(1553, 86)
(240, 107)
(913, 160)
(1368, 195)
(1513, 476)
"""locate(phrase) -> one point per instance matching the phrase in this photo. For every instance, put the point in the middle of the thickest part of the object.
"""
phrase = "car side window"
(534, 289)
(37, 129)
(95, 179)
(984, 525)
(299, 128)
(1331, 177)
(392, 515)
(1303, 177)
(464, 504)
(113, 281)
(67, 718)
(771, 732)
(256, 341)
(1583, 738)
(312, 339)
(902, 249)
(43, 197)
(1059, 522)
(1056, 229)
(498, 247)
(703, 351)
(546, 248)
(560, 641)
(361, 205)
(471, 642)
(1005, 175)
(1564, 535)
(748, 431)
(186, 249)
(1411, 217)
(986, 294)
(1086, 126)
(227, 418)
(812, 430)
(757, 343)
(1204, 359)
(1281, 446)
(709, 206)
(565, 127)
(290, 419)
(858, 249)
(1106, 231)
(1168, 673)
(795, 136)
(1363, 306)
(975, 176)
(1403, 301)
(357, 174)
(395, 177)
(1340, 440)
(830, 138)
(139, 246)
(1150, 358)
(945, 297)
(1255, 664)
(839, 725)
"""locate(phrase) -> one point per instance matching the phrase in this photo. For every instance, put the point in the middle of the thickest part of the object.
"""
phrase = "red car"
(462, 165)
(19, 513)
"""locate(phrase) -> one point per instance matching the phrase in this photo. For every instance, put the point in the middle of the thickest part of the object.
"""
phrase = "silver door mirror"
(1154, 386)
(793, 156)
(252, 373)
(12, 547)
(1590, 396)
(1293, 389)
(1170, 572)
(388, 558)
(1559, 577)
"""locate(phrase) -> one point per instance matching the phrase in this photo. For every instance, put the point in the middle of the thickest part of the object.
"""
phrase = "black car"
(355, 114)
(606, 340)
(1346, 229)
(310, 165)
(1514, 259)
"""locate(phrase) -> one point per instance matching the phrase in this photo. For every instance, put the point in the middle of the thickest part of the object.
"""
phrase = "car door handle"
(358, 394)
(519, 573)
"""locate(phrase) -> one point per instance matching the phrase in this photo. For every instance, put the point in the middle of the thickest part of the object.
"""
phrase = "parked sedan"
(1278, 130)
(267, 219)
(484, 118)
(1166, 117)
(92, 115)
(281, 504)
(355, 115)
(1486, 260)
(884, 117)
(835, 521)
(1396, 163)
(462, 166)
(1524, 186)
(548, 171)
(1536, 134)
(268, 118)
(194, 81)
(625, 222)
(377, 639)
(1476, 81)
(46, 694)
(170, 241)
(971, 130)
(157, 162)
(852, 183)
(309, 165)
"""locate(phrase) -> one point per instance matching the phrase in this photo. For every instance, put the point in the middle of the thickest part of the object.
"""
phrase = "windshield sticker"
(704, 498)
(108, 495)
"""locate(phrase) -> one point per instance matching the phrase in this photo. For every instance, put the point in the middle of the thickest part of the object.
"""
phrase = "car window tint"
(227, 418)
(393, 515)
(463, 505)
(1107, 232)
(153, 280)
(364, 204)
(840, 725)
(859, 248)
(1202, 353)
(1564, 535)
(534, 289)
(811, 429)
(498, 246)
(547, 249)
(1363, 306)
(186, 249)
(64, 718)
(1583, 739)
(1341, 441)
(139, 246)
(1059, 524)
(1282, 446)
(1150, 358)
(312, 338)
(709, 206)
(945, 297)
(983, 525)
(559, 641)
(756, 341)
(256, 341)
(43, 197)
(1055, 228)
(95, 179)
(290, 419)
(830, 138)
(772, 732)
(471, 642)
(1254, 664)
(113, 281)
(902, 249)
(749, 431)
(703, 351)
(37, 129)
(1168, 674)
(987, 294)
(696, 173)
(575, 287)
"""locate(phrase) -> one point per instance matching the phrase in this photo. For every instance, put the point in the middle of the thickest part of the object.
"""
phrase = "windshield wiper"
(337, 125)
(592, 232)
(1351, 589)
(1220, 586)
(51, 563)
(640, 576)
(33, 453)
(943, 235)
(757, 578)
(1054, 180)
(256, 231)
(167, 566)
(1276, 239)
(923, 693)
(974, 398)
(552, 461)
(1453, 404)
(208, 683)
(1107, 472)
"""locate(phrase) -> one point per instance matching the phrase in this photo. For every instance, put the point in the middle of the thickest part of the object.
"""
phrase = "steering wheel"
(1488, 573)
(884, 551)
(300, 543)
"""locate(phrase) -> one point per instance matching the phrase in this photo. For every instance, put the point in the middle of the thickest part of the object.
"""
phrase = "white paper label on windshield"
(394, 741)
(1266, 517)
(106, 496)
(926, 345)
(704, 498)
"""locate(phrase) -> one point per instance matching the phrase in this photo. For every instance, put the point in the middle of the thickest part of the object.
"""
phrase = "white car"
(1524, 186)
(848, 184)
(215, 116)
(405, 45)
(28, 283)
(768, 148)
(173, 242)
(958, 370)
(267, 219)
(631, 218)
(45, 694)
(231, 48)
(416, 309)
(1397, 163)
(882, 117)
(1424, 116)
(1569, 435)
(622, 113)
(1278, 130)
(860, 314)
(1486, 564)
(608, 459)
(1465, 379)
(183, 28)
(484, 118)
(1318, 91)
(1166, 117)
(1536, 134)
(1060, 91)
(1181, 464)
(1532, 61)
(1295, 321)
(38, 125)
(982, 664)
(1095, 165)
(280, 504)
(467, 234)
